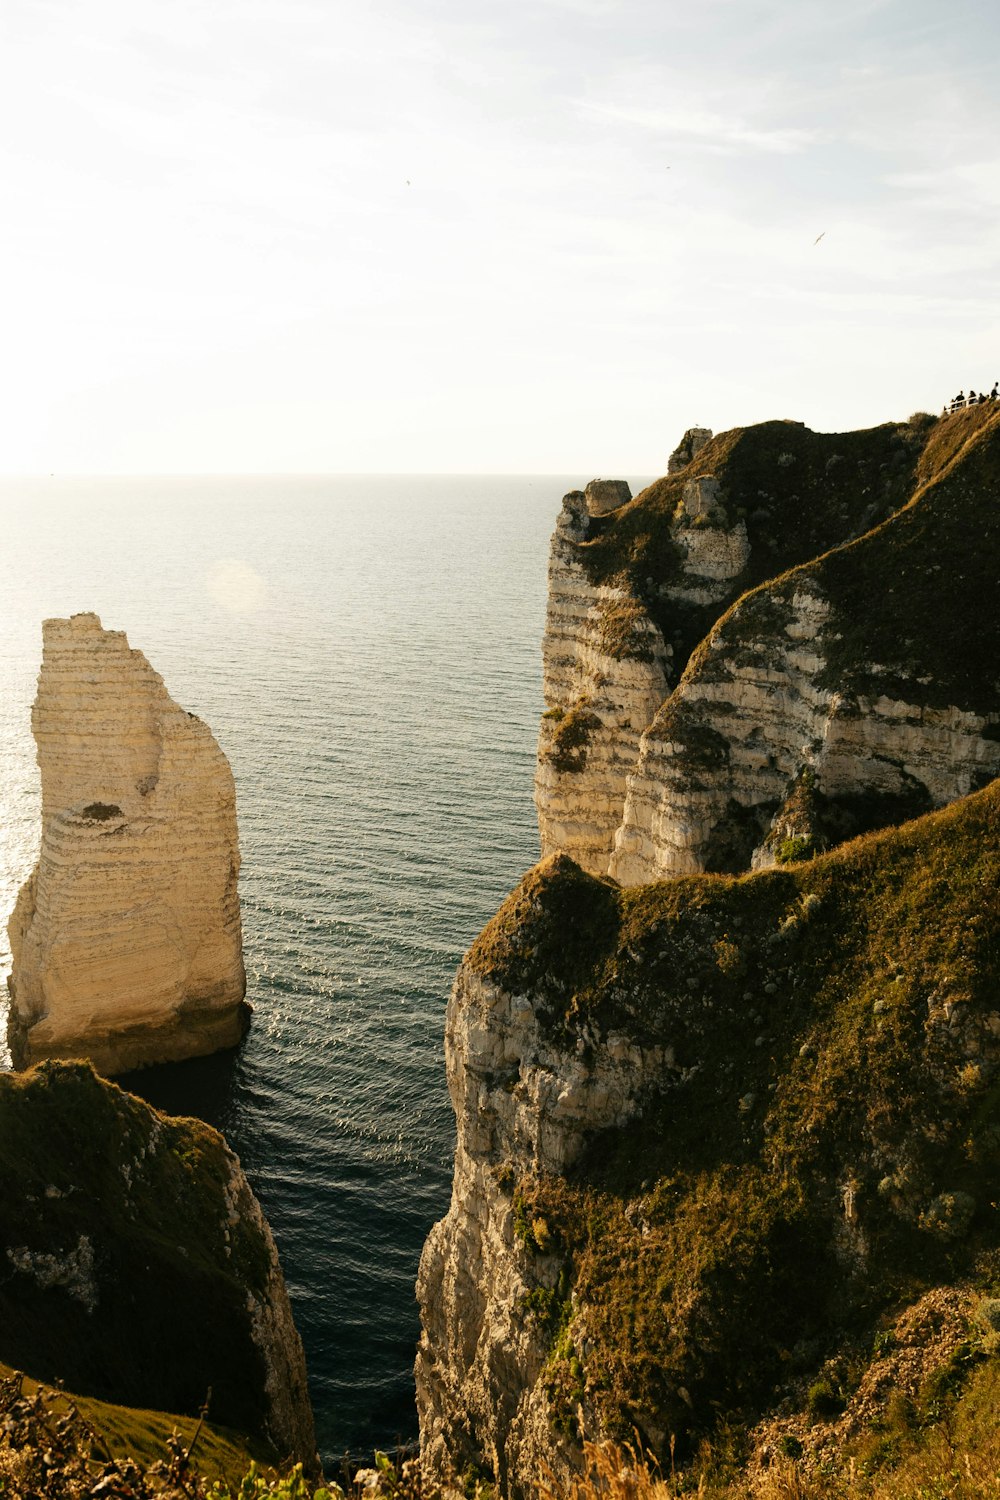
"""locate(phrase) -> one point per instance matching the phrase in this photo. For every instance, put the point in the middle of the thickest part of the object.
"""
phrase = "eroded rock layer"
(606, 669)
(126, 939)
(688, 728)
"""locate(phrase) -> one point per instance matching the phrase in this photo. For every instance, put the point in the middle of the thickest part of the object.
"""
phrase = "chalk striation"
(525, 1104)
(126, 938)
(711, 703)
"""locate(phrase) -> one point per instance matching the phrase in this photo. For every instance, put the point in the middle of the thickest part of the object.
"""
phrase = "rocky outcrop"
(878, 701)
(706, 1132)
(524, 1104)
(605, 495)
(688, 448)
(683, 749)
(719, 764)
(126, 938)
(138, 1266)
(606, 669)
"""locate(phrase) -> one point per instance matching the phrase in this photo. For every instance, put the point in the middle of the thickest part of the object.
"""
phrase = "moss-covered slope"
(799, 493)
(825, 1146)
(32, 1416)
(135, 1264)
(916, 596)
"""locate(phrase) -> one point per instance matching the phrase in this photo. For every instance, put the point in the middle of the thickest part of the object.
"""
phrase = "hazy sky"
(481, 235)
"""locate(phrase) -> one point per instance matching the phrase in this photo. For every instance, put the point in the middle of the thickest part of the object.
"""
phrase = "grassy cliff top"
(827, 1146)
(917, 595)
(798, 492)
(898, 525)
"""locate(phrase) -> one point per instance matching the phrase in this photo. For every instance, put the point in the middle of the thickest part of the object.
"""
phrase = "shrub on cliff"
(67, 1448)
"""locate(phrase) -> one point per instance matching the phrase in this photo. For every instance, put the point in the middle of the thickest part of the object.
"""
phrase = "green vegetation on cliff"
(120, 1433)
(799, 493)
(131, 1258)
(68, 1447)
(826, 1146)
(898, 526)
(918, 596)
(912, 600)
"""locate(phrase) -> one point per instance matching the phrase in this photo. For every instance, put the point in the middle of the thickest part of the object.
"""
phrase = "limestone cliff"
(606, 669)
(138, 1266)
(126, 938)
(525, 1102)
(797, 656)
(714, 1128)
(710, 1132)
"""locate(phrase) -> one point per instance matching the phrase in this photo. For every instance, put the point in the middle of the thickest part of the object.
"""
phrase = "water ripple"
(379, 710)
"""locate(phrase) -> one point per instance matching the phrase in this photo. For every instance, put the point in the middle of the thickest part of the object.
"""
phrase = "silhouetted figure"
(995, 392)
(958, 402)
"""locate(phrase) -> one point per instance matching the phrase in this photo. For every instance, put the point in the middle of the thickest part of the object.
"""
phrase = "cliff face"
(606, 668)
(126, 938)
(850, 669)
(524, 1104)
(138, 1265)
(713, 1129)
(709, 1132)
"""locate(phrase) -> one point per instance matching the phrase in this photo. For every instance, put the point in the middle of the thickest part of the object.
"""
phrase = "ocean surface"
(367, 653)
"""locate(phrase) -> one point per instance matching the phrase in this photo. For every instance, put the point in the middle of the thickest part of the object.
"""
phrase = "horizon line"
(6, 477)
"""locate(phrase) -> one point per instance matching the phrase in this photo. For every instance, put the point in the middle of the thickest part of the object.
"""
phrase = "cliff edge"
(126, 938)
(137, 1264)
(781, 644)
(726, 1065)
(717, 1138)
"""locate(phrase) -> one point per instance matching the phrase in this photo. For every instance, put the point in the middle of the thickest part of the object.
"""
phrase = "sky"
(472, 236)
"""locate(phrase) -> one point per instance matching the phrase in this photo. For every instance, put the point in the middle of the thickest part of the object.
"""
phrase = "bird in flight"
(818, 238)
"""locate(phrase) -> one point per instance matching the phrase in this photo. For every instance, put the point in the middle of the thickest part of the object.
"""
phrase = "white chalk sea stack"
(126, 938)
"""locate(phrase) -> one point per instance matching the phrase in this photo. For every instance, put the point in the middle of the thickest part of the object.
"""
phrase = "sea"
(366, 651)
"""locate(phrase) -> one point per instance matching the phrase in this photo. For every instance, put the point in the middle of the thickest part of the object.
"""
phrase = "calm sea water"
(366, 652)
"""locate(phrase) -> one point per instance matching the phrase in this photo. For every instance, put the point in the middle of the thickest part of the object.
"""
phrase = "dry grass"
(940, 1470)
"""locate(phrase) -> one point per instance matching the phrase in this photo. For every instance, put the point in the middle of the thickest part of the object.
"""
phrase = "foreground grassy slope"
(125, 1432)
(826, 1148)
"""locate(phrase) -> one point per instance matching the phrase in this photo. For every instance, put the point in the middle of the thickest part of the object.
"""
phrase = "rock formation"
(137, 1264)
(688, 448)
(709, 1134)
(710, 1128)
(682, 717)
(606, 671)
(605, 495)
(126, 938)
(524, 1103)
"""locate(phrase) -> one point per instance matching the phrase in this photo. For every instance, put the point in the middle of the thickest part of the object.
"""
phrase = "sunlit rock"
(126, 938)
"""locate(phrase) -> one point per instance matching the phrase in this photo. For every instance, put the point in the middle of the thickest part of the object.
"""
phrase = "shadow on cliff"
(822, 1146)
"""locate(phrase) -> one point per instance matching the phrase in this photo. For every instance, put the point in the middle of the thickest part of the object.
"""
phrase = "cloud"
(713, 131)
